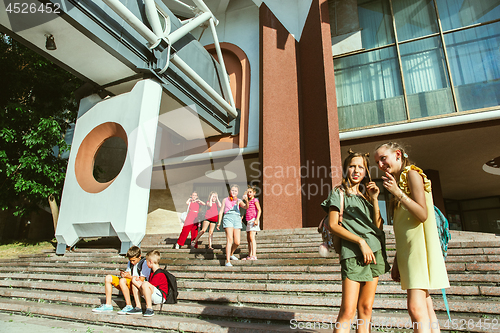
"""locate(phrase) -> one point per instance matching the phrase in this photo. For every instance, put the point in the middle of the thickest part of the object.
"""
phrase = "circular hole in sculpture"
(109, 159)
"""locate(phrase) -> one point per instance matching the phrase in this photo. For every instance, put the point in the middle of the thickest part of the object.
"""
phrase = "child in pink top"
(253, 213)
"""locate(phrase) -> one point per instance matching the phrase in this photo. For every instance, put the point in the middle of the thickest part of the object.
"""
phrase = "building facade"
(310, 79)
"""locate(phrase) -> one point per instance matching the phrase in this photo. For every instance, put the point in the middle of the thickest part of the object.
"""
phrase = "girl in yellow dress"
(419, 263)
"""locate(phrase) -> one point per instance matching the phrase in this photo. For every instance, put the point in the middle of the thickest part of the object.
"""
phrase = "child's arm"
(201, 202)
(259, 211)
(221, 212)
(373, 191)
(125, 274)
(416, 202)
(334, 227)
(188, 201)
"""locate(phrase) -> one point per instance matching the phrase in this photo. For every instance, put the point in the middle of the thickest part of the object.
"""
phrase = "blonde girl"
(230, 218)
(363, 257)
(253, 214)
(419, 263)
(211, 217)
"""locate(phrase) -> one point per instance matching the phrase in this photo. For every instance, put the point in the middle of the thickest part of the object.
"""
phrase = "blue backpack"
(444, 238)
(443, 231)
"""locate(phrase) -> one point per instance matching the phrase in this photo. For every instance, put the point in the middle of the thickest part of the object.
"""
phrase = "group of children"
(142, 279)
(228, 214)
(418, 265)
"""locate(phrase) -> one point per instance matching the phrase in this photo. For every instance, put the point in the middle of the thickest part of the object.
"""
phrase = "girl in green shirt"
(363, 257)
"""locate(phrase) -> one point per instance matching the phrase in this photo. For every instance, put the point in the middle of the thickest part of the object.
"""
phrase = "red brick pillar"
(280, 128)
(299, 141)
(318, 114)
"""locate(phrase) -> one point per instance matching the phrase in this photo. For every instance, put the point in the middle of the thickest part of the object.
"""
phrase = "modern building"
(309, 79)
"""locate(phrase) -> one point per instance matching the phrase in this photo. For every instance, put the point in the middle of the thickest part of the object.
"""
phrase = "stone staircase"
(288, 288)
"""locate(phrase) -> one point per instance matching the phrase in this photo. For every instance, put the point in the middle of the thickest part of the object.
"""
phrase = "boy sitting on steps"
(136, 268)
(156, 290)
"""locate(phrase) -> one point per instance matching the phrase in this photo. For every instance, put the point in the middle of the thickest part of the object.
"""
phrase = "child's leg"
(229, 242)
(137, 295)
(365, 304)
(417, 308)
(236, 242)
(254, 244)
(108, 288)
(183, 236)
(211, 235)
(249, 242)
(202, 231)
(432, 315)
(194, 233)
(147, 290)
(124, 287)
(350, 293)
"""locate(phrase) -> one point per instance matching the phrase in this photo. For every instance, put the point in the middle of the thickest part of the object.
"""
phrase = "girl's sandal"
(247, 258)
(252, 258)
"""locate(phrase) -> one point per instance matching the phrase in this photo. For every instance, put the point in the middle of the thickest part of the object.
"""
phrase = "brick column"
(318, 116)
(280, 129)
(299, 140)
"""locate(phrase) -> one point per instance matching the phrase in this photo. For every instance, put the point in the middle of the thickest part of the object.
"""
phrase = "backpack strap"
(159, 270)
(341, 211)
(139, 267)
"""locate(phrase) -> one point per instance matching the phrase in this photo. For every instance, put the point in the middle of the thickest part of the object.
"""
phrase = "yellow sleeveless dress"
(420, 260)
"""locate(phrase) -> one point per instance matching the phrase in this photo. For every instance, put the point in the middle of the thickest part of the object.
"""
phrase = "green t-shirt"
(358, 219)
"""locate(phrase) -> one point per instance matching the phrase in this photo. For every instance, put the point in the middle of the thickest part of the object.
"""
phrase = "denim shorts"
(232, 220)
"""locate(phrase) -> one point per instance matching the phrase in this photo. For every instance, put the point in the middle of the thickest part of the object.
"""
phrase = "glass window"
(369, 89)
(375, 23)
(461, 13)
(414, 18)
(475, 66)
(426, 79)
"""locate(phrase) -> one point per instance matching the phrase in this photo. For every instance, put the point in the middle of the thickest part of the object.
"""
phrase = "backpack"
(444, 238)
(443, 230)
(171, 296)
(139, 266)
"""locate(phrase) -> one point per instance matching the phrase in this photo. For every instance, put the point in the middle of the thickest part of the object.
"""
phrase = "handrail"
(154, 40)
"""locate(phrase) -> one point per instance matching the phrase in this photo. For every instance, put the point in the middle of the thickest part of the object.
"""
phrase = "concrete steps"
(290, 283)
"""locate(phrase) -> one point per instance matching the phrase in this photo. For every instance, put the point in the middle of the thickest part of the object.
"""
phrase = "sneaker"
(233, 258)
(228, 264)
(103, 308)
(177, 246)
(125, 310)
(148, 313)
(193, 245)
(135, 311)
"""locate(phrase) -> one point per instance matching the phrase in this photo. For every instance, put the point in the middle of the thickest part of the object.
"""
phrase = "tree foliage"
(37, 106)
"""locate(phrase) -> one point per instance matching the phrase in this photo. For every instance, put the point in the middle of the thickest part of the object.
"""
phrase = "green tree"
(37, 105)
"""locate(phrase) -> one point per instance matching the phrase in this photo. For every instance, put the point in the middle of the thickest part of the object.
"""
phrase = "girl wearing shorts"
(230, 218)
(363, 258)
(253, 213)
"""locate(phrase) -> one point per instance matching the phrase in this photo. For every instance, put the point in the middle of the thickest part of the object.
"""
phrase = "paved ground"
(13, 323)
